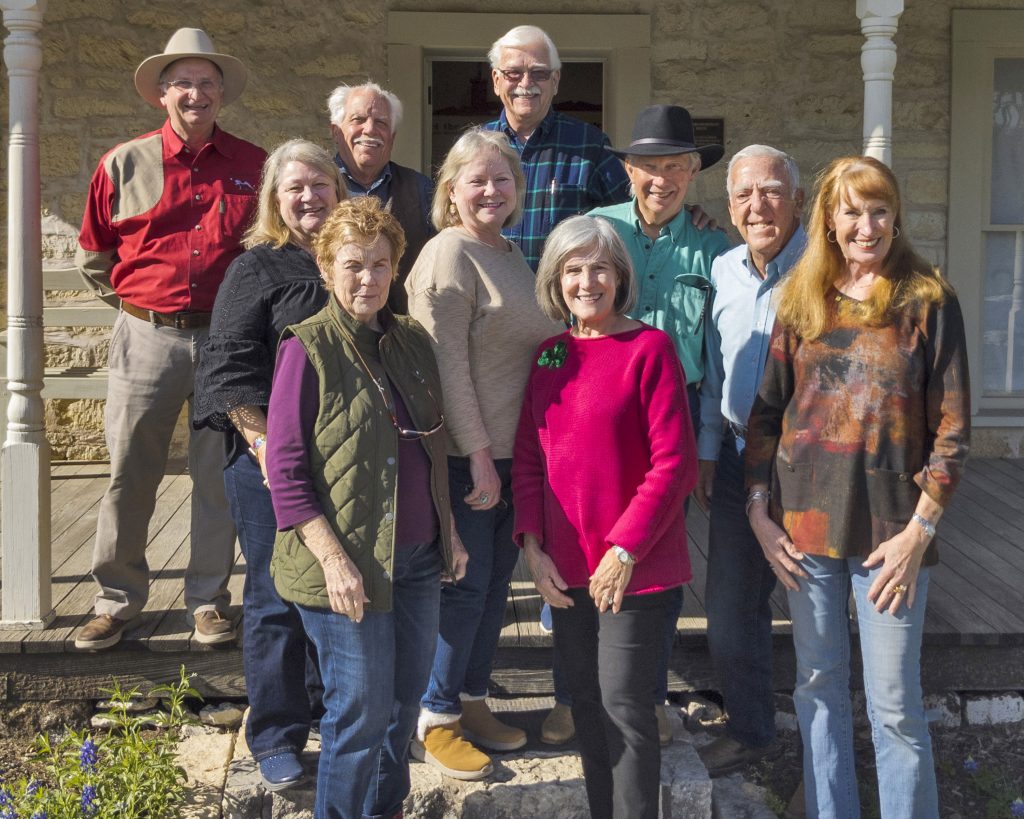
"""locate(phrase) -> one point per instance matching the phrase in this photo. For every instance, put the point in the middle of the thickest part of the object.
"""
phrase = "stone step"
(534, 781)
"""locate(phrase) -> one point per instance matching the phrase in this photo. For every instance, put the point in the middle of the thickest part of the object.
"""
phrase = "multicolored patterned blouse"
(848, 429)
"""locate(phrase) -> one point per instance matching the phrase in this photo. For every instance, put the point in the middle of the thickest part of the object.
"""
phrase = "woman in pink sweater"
(604, 458)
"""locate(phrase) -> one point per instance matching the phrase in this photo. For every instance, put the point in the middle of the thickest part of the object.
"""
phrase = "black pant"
(611, 664)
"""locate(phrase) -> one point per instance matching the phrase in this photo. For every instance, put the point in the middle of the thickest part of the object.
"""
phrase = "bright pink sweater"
(605, 456)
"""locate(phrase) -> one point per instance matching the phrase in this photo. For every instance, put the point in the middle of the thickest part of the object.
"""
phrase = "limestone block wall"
(785, 73)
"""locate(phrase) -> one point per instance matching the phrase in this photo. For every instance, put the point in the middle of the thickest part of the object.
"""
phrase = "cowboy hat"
(666, 130)
(184, 43)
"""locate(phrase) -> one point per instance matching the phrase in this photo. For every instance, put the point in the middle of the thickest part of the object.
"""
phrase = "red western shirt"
(163, 221)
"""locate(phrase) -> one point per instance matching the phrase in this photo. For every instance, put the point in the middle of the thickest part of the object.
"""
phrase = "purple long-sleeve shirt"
(295, 405)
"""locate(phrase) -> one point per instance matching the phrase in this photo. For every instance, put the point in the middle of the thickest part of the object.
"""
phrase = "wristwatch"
(624, 557)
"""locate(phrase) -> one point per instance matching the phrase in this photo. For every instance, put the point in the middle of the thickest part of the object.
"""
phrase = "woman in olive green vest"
(359, 481)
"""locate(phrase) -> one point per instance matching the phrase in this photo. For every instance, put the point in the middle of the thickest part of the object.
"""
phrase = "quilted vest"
(354, 450)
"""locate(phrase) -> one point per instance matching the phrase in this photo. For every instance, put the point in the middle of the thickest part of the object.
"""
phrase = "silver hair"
(792, 171)
(579, 234)
(519, 37)
(339, 96)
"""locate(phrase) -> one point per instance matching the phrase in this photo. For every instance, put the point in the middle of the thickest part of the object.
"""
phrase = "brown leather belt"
(179, 321)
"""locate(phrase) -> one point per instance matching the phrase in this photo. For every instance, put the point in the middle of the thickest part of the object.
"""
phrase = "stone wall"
(783, 73)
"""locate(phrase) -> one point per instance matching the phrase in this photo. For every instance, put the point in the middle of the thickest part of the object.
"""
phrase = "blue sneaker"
(545, 619)
(281, 771)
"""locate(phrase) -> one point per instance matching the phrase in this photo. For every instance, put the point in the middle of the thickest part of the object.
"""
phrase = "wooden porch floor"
(974, 625)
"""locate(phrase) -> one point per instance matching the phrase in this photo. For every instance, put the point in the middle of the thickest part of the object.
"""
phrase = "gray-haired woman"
(274, 284)
(604, 459)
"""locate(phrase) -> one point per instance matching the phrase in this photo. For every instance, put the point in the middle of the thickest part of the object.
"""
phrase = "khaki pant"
(152, 372)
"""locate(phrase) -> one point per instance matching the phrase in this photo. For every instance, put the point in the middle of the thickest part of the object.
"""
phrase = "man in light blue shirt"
(765, 199)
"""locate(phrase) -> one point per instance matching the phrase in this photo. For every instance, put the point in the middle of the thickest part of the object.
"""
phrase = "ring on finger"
(899, 588)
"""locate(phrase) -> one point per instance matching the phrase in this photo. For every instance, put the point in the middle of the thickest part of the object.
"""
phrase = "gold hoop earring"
(833, 237)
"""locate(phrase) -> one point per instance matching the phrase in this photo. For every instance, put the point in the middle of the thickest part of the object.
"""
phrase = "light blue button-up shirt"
(737, 336)
(673, 275)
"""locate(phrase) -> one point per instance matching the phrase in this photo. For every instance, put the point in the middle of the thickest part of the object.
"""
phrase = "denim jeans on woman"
(374, 674)
(611, 664)
(473, 610)
(281, 675)
(891, 652)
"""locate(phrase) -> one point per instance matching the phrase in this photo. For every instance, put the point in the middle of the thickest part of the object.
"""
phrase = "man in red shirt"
(165, 215)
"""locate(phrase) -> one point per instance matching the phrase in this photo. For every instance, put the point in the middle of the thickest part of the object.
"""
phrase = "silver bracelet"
(757, 496)
(924, 523)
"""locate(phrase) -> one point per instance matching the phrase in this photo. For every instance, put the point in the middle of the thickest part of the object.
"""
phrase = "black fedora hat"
(666, 130)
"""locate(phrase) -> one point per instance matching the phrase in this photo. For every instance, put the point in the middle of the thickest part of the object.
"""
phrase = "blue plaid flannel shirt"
(568, 171)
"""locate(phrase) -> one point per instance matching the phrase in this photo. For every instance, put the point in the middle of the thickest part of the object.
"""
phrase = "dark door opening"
(461, 95)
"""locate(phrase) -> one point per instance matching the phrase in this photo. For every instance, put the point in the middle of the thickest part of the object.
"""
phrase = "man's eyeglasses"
(185, 86)
(517, 74)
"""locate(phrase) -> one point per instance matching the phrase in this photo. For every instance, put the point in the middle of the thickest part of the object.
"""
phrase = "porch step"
(537, 781)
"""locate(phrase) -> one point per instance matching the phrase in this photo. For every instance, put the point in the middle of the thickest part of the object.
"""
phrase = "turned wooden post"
(25, 458)
(878, 21)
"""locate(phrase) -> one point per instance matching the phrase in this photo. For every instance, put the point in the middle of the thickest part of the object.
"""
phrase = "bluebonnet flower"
(33, 787)
(1017, 807)
(8, 813)
(88, 800)
(5, 797)
(87, 755)
(39, 814)
(970, 765)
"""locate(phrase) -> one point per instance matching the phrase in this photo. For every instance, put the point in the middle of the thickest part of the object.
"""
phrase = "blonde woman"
(473, 292)
(855, 444)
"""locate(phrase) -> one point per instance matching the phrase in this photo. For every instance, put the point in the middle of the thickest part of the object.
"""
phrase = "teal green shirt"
(673, 276)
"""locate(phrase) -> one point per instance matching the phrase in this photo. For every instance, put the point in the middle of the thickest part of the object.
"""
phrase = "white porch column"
(878, 21)
(25, 459)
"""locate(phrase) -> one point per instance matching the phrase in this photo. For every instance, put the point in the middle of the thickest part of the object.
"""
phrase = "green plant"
(1000, 790)
(128, 772)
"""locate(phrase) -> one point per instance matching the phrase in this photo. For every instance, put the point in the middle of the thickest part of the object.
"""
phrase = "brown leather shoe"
(725, 755)
(664, 725)
(102, 631)
(558, 727)
(212, 628)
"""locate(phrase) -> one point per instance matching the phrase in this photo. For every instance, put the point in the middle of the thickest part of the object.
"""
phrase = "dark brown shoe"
(212, 628)
(102, 631)
(725, 755)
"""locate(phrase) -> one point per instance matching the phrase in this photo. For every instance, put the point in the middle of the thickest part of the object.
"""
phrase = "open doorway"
(461, 95)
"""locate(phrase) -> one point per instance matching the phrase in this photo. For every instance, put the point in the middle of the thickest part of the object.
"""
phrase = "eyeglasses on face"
(186, 86)
(517, 74)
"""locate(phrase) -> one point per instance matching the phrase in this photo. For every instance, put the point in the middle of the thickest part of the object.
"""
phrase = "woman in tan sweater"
(474, 293)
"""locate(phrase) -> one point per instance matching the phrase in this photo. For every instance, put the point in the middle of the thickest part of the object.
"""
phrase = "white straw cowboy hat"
(184, 43)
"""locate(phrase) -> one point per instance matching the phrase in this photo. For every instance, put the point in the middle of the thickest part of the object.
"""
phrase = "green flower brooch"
(554, 357)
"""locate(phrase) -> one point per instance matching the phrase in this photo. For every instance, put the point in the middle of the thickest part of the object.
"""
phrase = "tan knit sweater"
(479, 307)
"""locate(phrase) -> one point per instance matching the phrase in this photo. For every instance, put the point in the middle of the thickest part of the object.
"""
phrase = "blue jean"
(473, 610)
(374, 675)
(282, 678)
(891, 652)
(736, 596)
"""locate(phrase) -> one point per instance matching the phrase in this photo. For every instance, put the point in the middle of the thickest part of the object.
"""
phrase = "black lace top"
(264, 290)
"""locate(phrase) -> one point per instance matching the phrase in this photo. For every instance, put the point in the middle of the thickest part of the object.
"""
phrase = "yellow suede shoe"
(482, 728)
(446, 749)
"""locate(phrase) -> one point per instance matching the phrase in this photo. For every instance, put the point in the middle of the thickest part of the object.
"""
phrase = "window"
(986, 218)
